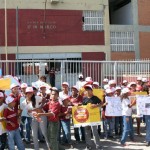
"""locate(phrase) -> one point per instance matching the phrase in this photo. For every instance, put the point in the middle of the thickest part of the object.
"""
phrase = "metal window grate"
(93, 21)
(122, 41)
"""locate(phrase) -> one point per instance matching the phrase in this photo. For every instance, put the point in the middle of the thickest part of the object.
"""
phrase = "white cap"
(112, 82)
(105, 80)
(1, 94)
(42, 85)
(109, 91)
(106, 86)
(24, 85)
(125, 90)
(75, 87)
(29, 89)
(118, 88)
(65, 83)
(53, 89)
(80, 75)
(144, 80)
(132, 83)
(88, 86)
(9, 99)
(139, 78)
(65, 97)
(88, 79)
(125, 81)
(96, 83)
(13, 85)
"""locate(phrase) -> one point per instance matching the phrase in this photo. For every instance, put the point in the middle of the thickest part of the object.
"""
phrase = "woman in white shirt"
(127, 119)
(31, 104)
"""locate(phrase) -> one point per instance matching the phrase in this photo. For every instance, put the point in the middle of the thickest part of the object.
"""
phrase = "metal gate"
(68, 70)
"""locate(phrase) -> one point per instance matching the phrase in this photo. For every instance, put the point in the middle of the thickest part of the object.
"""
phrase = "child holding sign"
(127, 119)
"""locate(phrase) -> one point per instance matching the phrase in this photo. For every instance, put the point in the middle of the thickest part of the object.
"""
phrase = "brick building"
(77, 30)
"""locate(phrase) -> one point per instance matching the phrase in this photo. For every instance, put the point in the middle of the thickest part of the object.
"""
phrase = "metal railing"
(68, 70)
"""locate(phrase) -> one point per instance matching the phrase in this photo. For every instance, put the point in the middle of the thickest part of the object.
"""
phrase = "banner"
(114, 106)
(5, 83)
(143, 105)
(85, 116)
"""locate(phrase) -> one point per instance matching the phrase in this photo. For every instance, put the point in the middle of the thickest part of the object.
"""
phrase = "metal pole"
(6, 50)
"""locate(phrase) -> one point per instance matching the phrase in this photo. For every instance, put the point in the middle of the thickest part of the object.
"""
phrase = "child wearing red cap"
(12, 125)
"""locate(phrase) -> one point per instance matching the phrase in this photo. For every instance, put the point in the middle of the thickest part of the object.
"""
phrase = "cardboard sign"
(85, 116)
(114, 106)
(134, 108)
(99, 93)
(5, 83)
(143, 105)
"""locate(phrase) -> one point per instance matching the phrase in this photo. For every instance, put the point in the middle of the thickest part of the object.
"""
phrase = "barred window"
(92, 21)
(122, 41)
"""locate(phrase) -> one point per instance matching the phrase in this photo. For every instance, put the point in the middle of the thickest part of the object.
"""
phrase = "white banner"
(143, 105)
(114, 107)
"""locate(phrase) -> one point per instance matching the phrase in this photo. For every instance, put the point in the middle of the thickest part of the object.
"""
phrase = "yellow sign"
(5, 84)
(99, 93)
(85, 116)
(140, 93)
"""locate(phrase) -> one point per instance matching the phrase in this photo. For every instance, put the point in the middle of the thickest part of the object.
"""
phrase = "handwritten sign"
(143, 105)
(114, 106)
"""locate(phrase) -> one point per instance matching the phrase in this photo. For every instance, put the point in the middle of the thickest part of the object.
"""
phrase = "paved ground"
(108, 144)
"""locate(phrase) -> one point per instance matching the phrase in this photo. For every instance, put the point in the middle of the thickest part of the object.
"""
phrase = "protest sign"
(134, 108)
(143, 105)
(5, 83)
(99, 93)
(85, 116)
(114, 106)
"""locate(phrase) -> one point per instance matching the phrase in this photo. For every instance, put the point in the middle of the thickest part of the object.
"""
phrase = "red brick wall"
(62, 27)
(122, 55)
(144, 12)
(145, 44)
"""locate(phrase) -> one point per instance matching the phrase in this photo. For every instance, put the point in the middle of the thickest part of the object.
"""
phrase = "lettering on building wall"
(41, 25)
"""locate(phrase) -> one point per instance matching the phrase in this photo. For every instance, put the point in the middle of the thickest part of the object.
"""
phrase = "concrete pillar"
(136, 28)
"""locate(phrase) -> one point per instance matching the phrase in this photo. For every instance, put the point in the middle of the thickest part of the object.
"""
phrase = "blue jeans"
(147, 120)
(28, 121)
(128, 129)
(66, 131)
(118, 125)
(14, 137)
(108, 125)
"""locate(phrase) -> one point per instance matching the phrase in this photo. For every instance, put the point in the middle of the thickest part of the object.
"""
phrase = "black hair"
(33, 100)
(56, 91)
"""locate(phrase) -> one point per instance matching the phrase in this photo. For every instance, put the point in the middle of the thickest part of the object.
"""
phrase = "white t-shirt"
(79, 84)
(126, 111)
(29, 106)
(2, 124)
(61, 96)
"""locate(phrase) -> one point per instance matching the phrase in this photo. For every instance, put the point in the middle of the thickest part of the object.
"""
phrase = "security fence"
(68, 70)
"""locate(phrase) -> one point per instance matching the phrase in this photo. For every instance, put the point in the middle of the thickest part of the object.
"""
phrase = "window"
(122, 41)
(92, 21)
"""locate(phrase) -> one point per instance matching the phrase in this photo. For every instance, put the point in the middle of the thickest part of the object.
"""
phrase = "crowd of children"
(47, 113)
